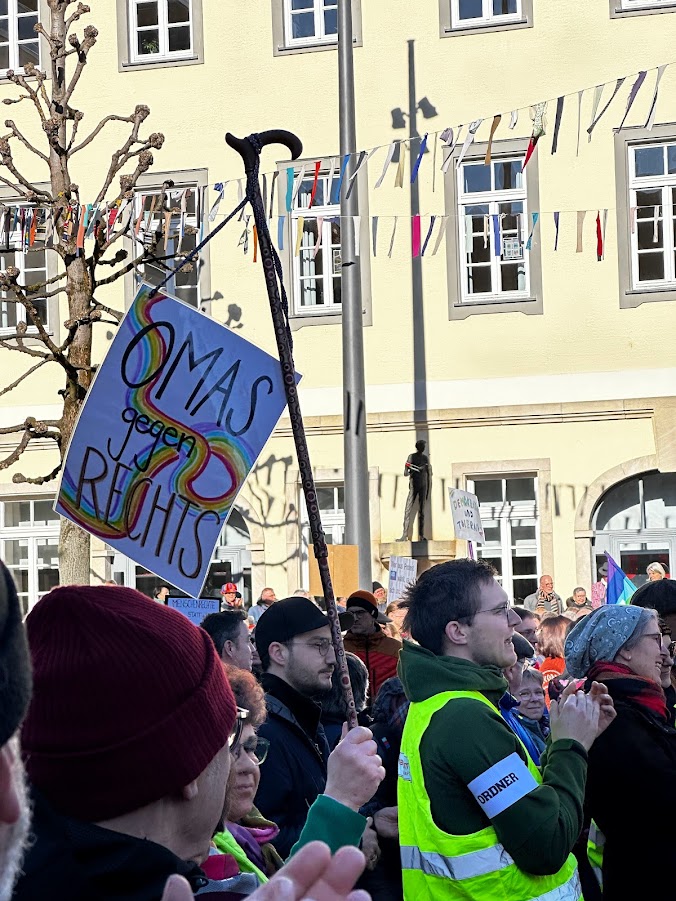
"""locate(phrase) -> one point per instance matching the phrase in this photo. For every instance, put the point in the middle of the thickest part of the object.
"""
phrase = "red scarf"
(623, 683)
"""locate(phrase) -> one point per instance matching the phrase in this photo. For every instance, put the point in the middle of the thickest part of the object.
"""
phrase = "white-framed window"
(32, 265)
(646, 4)
(29, 545)
(492, 229)
(331, 501)
(183, 236)
(652, 192)
(19, 44)
(509, 515)
(316, 270)
(310, 22)
(160, 30)
(466, 13)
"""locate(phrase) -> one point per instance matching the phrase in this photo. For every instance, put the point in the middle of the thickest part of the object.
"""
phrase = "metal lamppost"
(357, 520)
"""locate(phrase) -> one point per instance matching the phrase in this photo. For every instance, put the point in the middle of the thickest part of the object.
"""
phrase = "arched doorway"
(231, 562)
(635, 522)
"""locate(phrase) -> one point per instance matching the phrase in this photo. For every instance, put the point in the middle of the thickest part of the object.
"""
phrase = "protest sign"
(403, 571)
(194, 608)
(466, 516)
(179, 411)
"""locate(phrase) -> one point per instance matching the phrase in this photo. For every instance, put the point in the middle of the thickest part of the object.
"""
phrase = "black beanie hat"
(15, 671)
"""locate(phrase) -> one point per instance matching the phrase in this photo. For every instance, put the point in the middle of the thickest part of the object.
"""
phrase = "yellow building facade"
(542, 377)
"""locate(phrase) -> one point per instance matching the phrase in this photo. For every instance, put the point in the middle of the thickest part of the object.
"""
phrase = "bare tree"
(59, 211)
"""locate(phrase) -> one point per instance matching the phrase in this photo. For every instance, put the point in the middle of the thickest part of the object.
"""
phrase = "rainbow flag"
(620, 588)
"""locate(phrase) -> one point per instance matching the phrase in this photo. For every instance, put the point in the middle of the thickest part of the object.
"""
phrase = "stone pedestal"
(427, 553)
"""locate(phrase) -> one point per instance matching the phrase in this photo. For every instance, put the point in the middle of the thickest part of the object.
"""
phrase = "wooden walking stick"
(250, 149)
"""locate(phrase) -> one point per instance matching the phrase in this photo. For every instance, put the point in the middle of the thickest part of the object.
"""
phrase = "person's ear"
(623, 656)
(226, 653)
(456, 632)
(190, 791)
(278, 653)
(10, 808)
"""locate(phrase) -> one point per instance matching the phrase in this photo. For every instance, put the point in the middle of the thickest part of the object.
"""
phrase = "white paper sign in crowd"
(466, 516)
(403, 571)
(176, 418)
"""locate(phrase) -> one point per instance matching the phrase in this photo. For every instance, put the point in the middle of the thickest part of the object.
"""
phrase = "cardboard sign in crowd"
(177, 416)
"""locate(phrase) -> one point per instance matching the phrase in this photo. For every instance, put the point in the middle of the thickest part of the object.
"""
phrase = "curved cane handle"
(275, 136)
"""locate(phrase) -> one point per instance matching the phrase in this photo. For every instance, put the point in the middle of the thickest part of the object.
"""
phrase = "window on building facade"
(484, 12)
(310, 22)
(179, 238)
(635, 522)
(160, 30)
(652, 201)
(29, 544)
(32, 266)
(19, 44)
(316, 269)
(509, 515)
(645, 4)
(331, 502)
(493, 230)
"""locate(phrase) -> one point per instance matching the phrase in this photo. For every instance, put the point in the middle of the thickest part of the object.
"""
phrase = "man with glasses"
(378, 651)
(293, 639)
(477, 819)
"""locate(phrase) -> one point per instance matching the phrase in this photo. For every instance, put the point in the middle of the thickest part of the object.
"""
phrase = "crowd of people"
(501, 751)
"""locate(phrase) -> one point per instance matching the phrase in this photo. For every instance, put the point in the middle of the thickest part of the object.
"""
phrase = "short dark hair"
(333, 701)
(222, 627)
(524, 613)
(446, 592)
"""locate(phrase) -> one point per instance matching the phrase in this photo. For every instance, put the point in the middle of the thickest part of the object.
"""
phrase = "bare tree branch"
(21, 81)
(26, 143)
(18, 450)
(25, 375)
(21, 348)
(98, 129)
(116, 314)
(82, 8)
(18, 478)
(90, 36)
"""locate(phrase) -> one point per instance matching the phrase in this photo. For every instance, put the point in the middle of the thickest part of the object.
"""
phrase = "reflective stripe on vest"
(595, 843)
(438, 866)
(465, 866)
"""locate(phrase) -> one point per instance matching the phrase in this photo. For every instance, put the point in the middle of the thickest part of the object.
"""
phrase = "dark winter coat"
(75, 861)
(294, 772)
(631, 796)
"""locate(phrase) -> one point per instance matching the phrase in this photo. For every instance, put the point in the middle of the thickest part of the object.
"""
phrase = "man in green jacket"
(477, 819)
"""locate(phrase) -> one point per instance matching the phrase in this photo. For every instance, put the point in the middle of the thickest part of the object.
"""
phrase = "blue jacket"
(508, 709)
(294, 772)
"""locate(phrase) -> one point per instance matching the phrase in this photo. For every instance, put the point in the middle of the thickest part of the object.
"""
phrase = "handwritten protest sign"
(194, 608)
(466, 516)
(403, 571)
(178, 413)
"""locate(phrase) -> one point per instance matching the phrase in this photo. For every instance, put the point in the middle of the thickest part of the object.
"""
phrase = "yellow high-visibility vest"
(438, 866)
(596, 841)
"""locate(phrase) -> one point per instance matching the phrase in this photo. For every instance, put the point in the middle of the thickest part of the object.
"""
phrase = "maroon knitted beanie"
(130, 701)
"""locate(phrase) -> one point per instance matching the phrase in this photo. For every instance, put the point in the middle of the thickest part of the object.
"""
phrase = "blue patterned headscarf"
(599, 636)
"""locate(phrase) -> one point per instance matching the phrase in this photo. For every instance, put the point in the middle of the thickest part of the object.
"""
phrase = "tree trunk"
(74, 543)
(74, 554)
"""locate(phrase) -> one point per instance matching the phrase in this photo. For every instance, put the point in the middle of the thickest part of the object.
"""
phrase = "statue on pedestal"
(419, 472)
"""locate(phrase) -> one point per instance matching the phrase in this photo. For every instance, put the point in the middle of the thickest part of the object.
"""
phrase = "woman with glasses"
(532, 712)
(247, 837)
(244, 846)
(631, 784)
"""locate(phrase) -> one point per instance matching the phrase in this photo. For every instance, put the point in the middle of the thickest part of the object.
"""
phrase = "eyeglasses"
(536, 694)
(236, 734)
(671, 648)
(320, 645)
(256, 748)
(502, 609)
